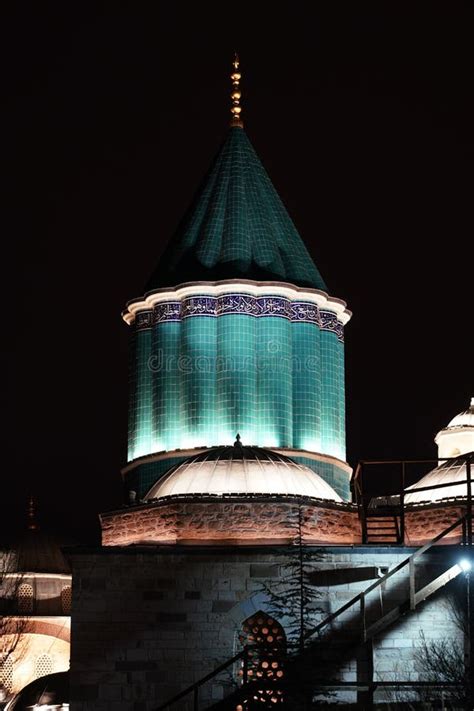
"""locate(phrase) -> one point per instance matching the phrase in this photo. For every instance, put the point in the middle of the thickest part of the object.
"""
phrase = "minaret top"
(236, 94)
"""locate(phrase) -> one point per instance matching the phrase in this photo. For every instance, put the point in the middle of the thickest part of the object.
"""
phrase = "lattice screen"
(25, 598)
(66, 599)
(6, 673)
(266, 640)
(44, 665)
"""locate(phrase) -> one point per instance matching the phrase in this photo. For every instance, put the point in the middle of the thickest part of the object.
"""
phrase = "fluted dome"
(241, 470)
(451, 471)
(237, 227)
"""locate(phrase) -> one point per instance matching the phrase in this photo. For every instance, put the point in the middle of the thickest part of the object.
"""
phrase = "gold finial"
(32, 525)
(236, 94)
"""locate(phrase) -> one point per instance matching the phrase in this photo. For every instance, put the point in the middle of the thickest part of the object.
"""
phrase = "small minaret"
(236, 94)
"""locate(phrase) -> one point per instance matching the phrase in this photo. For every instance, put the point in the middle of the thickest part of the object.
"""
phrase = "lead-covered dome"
(452, 472)
(241, 470)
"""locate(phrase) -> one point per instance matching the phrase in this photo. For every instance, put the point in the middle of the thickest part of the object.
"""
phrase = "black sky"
(364, 120)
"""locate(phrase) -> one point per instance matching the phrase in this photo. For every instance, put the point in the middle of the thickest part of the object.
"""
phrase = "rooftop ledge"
(235, 497)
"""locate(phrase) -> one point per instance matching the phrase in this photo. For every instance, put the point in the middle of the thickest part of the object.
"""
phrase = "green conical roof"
(236, 227)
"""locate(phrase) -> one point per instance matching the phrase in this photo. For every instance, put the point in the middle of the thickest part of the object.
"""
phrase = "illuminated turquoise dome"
(236, 334)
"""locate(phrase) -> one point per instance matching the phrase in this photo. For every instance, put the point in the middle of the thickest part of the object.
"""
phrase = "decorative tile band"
(144, 320)
(199, 306)
(167, 311)
(242, 304)
(340, 331)
(329, 322)
(263, 306)
(305, 312)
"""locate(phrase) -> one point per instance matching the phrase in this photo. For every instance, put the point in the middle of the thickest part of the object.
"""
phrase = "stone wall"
(262, 521)
(149, 621)
(423, 523)
(236, 521)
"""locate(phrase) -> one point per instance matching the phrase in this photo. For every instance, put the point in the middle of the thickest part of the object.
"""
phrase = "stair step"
(382, 532)
(382, 535)
(380, 518)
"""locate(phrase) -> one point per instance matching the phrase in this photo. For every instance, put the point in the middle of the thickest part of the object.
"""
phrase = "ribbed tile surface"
(236, 227)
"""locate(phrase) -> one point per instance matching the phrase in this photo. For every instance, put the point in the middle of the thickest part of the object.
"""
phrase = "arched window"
(25, 599)
(66, 600)
(44, 665)
(6, 673)
(266, 642)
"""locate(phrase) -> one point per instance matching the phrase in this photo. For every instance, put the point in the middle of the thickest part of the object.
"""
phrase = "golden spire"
(236, 94)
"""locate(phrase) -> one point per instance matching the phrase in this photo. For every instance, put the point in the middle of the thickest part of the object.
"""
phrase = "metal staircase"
(357, 614)
(370, 627)
(382, 519)
(382, 527)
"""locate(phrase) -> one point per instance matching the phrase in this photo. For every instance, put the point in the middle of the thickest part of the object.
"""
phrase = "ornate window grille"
(66, 599)
(266, 642)
(6, 674)
(44, 665)
(25, 599)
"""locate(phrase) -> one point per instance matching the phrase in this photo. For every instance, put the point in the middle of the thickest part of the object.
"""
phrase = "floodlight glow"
(465, 565)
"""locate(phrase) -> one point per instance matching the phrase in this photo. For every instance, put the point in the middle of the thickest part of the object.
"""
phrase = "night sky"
(364, 121)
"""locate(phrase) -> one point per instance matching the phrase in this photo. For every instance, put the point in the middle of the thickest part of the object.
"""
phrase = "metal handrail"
(360, 597)
(194, 688)
(362, 499)
(243, 654)
(465, 521)
(425, 488)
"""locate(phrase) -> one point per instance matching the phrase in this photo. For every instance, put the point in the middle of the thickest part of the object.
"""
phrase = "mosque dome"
(451, 471)
(37, 551)
(458, 437)
(454, 441)
(241, 470)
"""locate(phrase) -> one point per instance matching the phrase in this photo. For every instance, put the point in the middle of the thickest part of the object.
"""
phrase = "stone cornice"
(264, 298)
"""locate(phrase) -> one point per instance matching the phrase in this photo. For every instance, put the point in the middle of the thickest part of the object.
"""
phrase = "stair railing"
(415, 597)
(361, 598)
(194, 688)
(362, 499)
